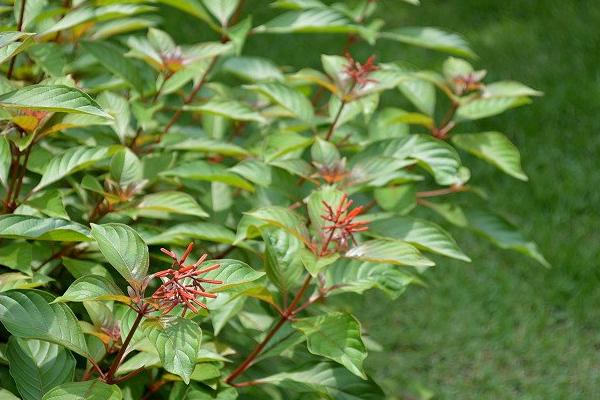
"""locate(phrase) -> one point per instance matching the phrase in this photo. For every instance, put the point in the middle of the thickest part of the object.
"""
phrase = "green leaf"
(112, 58)
(494, 148)
(356, 276)
(435, 156)
(290, 99)
(57, 98)
(327, 379)
(231, 109)
(316, 20)
(10, 50)
(283, 218)
(27, 314)
(8, 37)
(509, 89)
(125, 168)
(324, 153)
(255, 171)
(124, 249)
(284, 143)
(206, 145)
(5, 160)
(50, 203)
(221, 9)
(233, 273)
(503, 234)
(17, 255)
(336, 336)
(400, 199)
(177, 343)
(71, 161)
(488, 107)
(87, 390)
(192, 7)
(181, 234)
(78, 16)
(170, 202)
(315, 264)
(422, 234)
(254, 69)
(118, 107)
(38, 366)
(205, 171)
(282, 262)
(30, 227)
(92, 287)
(389, 252)
(431, 38)
(421, 93)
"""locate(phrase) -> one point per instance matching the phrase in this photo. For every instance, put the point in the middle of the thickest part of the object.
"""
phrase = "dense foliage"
(123, 156)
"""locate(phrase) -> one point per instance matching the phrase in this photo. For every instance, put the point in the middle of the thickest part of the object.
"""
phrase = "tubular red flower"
(184, 284)
(342, 227)
(359, 73)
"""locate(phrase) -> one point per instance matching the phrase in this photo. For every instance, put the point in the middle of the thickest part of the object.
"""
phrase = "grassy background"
(501, 327)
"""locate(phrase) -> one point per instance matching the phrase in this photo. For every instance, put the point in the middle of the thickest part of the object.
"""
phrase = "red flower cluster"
(468, 83)
(359, 73)
(173, 60)
(183, 285)
(342, 226)
(333, 173)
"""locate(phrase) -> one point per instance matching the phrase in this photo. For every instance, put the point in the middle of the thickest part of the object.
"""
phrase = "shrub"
(288, 186)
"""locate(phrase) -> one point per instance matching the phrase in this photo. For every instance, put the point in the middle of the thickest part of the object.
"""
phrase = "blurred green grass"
(501, 327)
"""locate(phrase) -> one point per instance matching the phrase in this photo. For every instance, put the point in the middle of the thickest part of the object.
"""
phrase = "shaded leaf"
(389, 252)
(171, 203)
(488, 107)
(181, 234)
(418, 232)
(177, 343)
(431, 38)
(28, 314)
(357, 276)
(284, 218)
(328, 379)
(92, 287)
(30, 227)
(253, 69)
(52, 98)
(87, 390)
(124, 249)
(205, 171)
(38, 366)
(232, 109)
(494, 148)
(336, 336)
(503, 234)
(290, 99)
(233, 273)
(72, 160)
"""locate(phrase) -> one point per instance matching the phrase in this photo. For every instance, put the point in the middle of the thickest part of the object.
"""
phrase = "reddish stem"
(19, 28)
(443, 192)
(287, 313)
(188, 99)
(119, 357)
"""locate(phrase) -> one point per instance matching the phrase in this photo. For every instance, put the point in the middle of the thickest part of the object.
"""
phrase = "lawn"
(501, 327)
